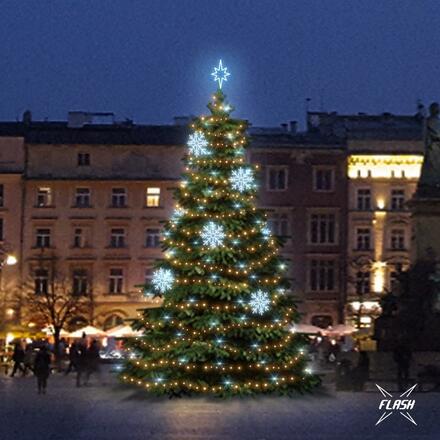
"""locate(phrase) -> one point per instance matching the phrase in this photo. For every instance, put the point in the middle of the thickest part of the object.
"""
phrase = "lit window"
(83, 159)
(397, 199)
(80, 282)
(41, 281)
(44, 196)
(363, 199)
(276, 178)
(42, 236)
(116, 281)
(152, 238)
(117, 238)
(322, 275)
(82, 197)
(322, 229)
(153, 197)
(363, 239)
(119, 198)
(397, 239)
(323, 179)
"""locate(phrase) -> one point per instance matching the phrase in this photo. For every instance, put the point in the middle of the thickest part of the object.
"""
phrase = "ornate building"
(91, 198)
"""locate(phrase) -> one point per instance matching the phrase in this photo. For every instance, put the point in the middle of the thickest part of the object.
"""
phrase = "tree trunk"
(56, 348)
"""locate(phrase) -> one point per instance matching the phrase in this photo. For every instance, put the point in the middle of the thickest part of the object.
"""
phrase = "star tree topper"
(220, 74)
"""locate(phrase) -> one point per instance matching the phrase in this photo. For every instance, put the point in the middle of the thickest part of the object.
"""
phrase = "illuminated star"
(220, 74)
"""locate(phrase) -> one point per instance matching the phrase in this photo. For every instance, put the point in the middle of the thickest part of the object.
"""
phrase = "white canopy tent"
(88, 331)
(123, 331)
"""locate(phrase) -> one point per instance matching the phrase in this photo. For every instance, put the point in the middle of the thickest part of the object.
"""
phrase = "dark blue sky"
(150, 60)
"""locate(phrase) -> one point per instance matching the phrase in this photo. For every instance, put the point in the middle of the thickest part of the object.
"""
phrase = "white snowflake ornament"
(242, 179)
(213, 234)
(259, 302)
(162, 280)
(197, 144)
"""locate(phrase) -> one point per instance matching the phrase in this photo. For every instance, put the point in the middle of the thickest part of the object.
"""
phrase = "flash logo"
(396, 404)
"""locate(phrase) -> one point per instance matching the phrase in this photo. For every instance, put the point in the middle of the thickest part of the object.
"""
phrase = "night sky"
(150, 60)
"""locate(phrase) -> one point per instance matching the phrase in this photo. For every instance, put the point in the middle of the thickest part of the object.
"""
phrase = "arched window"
(76, 323)
(113, 321)
(322, 321)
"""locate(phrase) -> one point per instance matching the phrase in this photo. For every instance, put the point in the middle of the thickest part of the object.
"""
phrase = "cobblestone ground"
(108, 411)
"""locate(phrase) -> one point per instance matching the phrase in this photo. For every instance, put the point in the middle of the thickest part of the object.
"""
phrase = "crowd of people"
(41, 359)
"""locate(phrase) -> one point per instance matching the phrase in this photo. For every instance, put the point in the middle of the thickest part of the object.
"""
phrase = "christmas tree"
(224, 324)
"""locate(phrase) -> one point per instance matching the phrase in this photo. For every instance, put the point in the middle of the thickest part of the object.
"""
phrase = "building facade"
(87, 201)
(384, 157)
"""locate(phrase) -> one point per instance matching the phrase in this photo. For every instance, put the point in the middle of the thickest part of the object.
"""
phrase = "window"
(277, 178)
(42, 238)
(322, 275)
(80, 282)
(279, 225)
(112, 321)
(322, 321)
(83, 159)
(2, 195)
(82, 197)
(79, 238)
(41, 280)
(44, 196)
(2, 228)
(363, 199)
(363, 239)
(152, 197)
(116, 281)
(397, 239)
(362, 282)
(323, 179)
(152, 238)
(397, 199)
(119, 197)
(322, 229)
(117, 237)
(148, 274)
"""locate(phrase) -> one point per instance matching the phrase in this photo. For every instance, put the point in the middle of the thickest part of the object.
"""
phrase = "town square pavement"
(105, 411)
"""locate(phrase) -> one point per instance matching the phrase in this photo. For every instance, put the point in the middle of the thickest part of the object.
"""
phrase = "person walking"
(81, 362)
(42, 369)
(402, 356)
(93, 360)
(17, 358)
(28, 359)
(74, 354)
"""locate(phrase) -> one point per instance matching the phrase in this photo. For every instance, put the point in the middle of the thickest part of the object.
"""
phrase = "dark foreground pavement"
(107, 412)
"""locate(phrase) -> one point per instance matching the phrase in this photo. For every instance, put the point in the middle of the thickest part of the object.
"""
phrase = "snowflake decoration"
(266, 231)
(162, 280)
(220, 74)
(177, 215)
(259, 302)
(242, 179)
(197, 144)
(213, 234)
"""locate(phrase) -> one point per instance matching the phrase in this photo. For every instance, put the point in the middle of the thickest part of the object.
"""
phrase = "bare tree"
(50, 298)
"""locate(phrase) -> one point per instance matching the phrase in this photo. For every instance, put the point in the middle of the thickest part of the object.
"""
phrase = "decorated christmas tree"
(224, 324)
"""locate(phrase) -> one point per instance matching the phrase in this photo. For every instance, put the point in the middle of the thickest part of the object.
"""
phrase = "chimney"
(27, 117)
(284, 127)
(293, 126)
